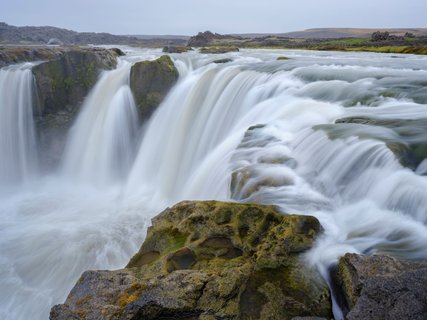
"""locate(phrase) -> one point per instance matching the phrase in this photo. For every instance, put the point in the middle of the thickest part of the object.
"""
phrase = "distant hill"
(42, 35)
(334, 33)
(154, 36)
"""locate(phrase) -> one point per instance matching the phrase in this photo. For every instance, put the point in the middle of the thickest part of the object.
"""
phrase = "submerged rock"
(409, 144)
(150, 81)
(247, 178)
(382, 287)
(209, 260)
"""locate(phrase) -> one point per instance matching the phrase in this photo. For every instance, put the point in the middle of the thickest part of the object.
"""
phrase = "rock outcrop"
(64, 82)
(219, 49)
(176, 49)
(61, 85)
(203, 38)
(13, 54)
(150, 81)
(209, 260)
(382, 287)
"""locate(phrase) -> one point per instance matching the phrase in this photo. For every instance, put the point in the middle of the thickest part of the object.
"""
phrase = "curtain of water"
(18, 155)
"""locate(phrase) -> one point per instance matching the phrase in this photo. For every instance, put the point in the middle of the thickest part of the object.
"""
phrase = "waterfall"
(347, 177)
(252, 130)
(100, 146)
(18, 160)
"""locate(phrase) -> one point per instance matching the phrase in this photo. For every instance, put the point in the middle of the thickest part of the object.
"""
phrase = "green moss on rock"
(219, 49)
(150, 81)
(213, 259)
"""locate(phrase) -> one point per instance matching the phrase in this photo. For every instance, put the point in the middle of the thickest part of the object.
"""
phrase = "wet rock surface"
(61, 85)
(209, 260)
(382, 287)
(150, 81)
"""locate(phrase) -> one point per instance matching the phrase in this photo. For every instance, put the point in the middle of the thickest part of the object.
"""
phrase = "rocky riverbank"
(216, 260)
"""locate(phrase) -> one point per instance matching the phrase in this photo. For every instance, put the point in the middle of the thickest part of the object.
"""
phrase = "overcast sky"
(222, 16)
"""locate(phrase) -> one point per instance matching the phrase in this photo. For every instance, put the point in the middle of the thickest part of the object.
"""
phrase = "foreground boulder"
(382, 287)
(150, 81)
(209, 260)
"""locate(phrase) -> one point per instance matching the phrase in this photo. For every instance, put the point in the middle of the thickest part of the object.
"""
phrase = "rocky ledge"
(209, 260)
(219, 49)
(382, 287)
(61, 84)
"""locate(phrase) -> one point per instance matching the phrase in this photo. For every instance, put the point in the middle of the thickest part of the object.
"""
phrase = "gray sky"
(222, 16)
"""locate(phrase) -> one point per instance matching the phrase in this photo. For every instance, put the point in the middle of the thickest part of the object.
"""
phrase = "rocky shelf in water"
(217, 260)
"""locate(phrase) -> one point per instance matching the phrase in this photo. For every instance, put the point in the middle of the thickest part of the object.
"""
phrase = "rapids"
(93, 212)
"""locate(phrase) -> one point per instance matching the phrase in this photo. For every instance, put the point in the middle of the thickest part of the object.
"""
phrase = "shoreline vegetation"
(380, 42)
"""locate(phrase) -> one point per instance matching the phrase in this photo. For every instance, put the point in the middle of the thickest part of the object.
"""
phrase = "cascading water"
(349, 179)
(197, 146)
(18, 160)
(100, 148)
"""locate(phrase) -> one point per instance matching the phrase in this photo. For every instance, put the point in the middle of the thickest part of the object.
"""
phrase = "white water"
(343, 174)
(100, 148)
(18, 155)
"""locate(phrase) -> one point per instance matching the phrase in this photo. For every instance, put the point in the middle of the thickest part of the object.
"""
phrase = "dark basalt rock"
(209, 260)
(61, 85)
(225, 60)
(382, 287)
(203, 39)
(219, 49)
(176, 49)
(150, 81)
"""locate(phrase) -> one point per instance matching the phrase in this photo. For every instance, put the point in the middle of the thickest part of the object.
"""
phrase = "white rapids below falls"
(92, 212)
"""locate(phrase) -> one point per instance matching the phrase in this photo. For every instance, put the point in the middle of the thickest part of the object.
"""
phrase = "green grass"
(351, 41)
(391, 49)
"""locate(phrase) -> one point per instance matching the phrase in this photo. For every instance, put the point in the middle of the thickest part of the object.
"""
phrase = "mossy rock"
(176, 49)
(64, 82)
(219, 49)
(150, 81)
(61, 85)
(210, 260)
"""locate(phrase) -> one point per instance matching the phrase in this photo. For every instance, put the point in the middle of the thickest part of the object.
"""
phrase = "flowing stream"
(326, 133)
